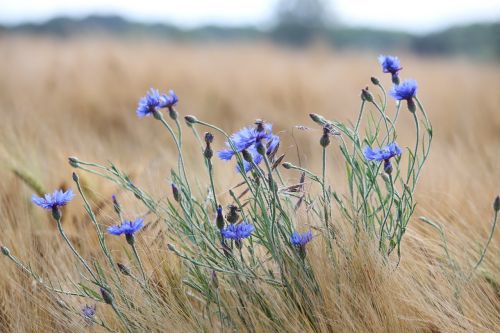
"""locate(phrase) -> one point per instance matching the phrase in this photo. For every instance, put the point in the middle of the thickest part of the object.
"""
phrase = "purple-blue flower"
(168, 100)
(404, 91)
(390, 64)
(251, 139)
(298, 239)
(382, 154)
(126, 227)
(57, 199)
(237, 231)
(149, 103)
(88, 313)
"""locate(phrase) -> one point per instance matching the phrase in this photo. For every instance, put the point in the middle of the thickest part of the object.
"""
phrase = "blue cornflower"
(237, 231)
(168, 100)
(126, 227)
(383, 154)
(51, 201)
(150, 103)
(406, 91)
(254, 140)
(301, 239)
(391, 65)
(88, 313)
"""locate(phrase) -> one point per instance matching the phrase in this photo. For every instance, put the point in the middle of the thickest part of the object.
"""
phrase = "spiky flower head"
(237, 231)
(52, 201)
(126, 227)
(150, 103)
(390, 65)
(404, 91)
(88, 313)
(298, 239)
(168, 100)
(383, 153)
(256, 140)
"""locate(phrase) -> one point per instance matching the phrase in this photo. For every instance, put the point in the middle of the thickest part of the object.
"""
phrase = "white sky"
(415, 16)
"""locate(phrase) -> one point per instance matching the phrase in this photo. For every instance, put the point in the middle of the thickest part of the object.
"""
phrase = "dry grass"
(64, 98)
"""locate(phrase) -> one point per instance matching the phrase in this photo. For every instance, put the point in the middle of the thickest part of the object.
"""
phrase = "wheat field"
(61, 98)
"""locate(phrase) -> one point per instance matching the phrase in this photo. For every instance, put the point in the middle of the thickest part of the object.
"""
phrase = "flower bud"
(107, 296)
(5, 251)
(287, 165)
(366, 95)
(172, 113)
(208, 152)
(75, 177)
(176, 193)
(219, 220)
(190, 120)
(387, 167)
(325, 138)
(317, 118)
(209, 138)
(260, 148)
(123, 269)
(171, 247)
(496, 204)
(74, 162)
(375, 81)
(116, 205)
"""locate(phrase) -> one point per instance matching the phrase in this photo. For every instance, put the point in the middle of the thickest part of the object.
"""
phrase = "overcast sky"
(414, 16)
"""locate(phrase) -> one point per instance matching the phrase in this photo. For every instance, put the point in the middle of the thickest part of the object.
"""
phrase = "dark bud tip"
(74, 162)
(176, 193)
(123, 269)
(317, 118)
(190, 120)
(75, 177)
(287, 165)
(56, 213)
(411, 105)
(171, 247)
(209, 138)
(172, 113)
(366, 95)
(107, 296)
(375, 81)
(496, 204)
(5, 251)
(220, 218)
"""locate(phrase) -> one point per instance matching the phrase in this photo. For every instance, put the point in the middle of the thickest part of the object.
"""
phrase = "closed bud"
(219, 220)
(260, 148)
(317, 118)
(172, 113)
(107, 296)
(116, 205)
(208, 152)
(287, 165)
(496, 204)
(209, 138)
(190, 120)
(74, 162)
(5, 251)
(366, 95)
(171, 247)
(123, 269)
(375, 81)
(75, 177)
(325, 140)
(176, 193)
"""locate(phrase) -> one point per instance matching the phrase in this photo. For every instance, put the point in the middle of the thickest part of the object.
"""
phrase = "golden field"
(78, 98)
